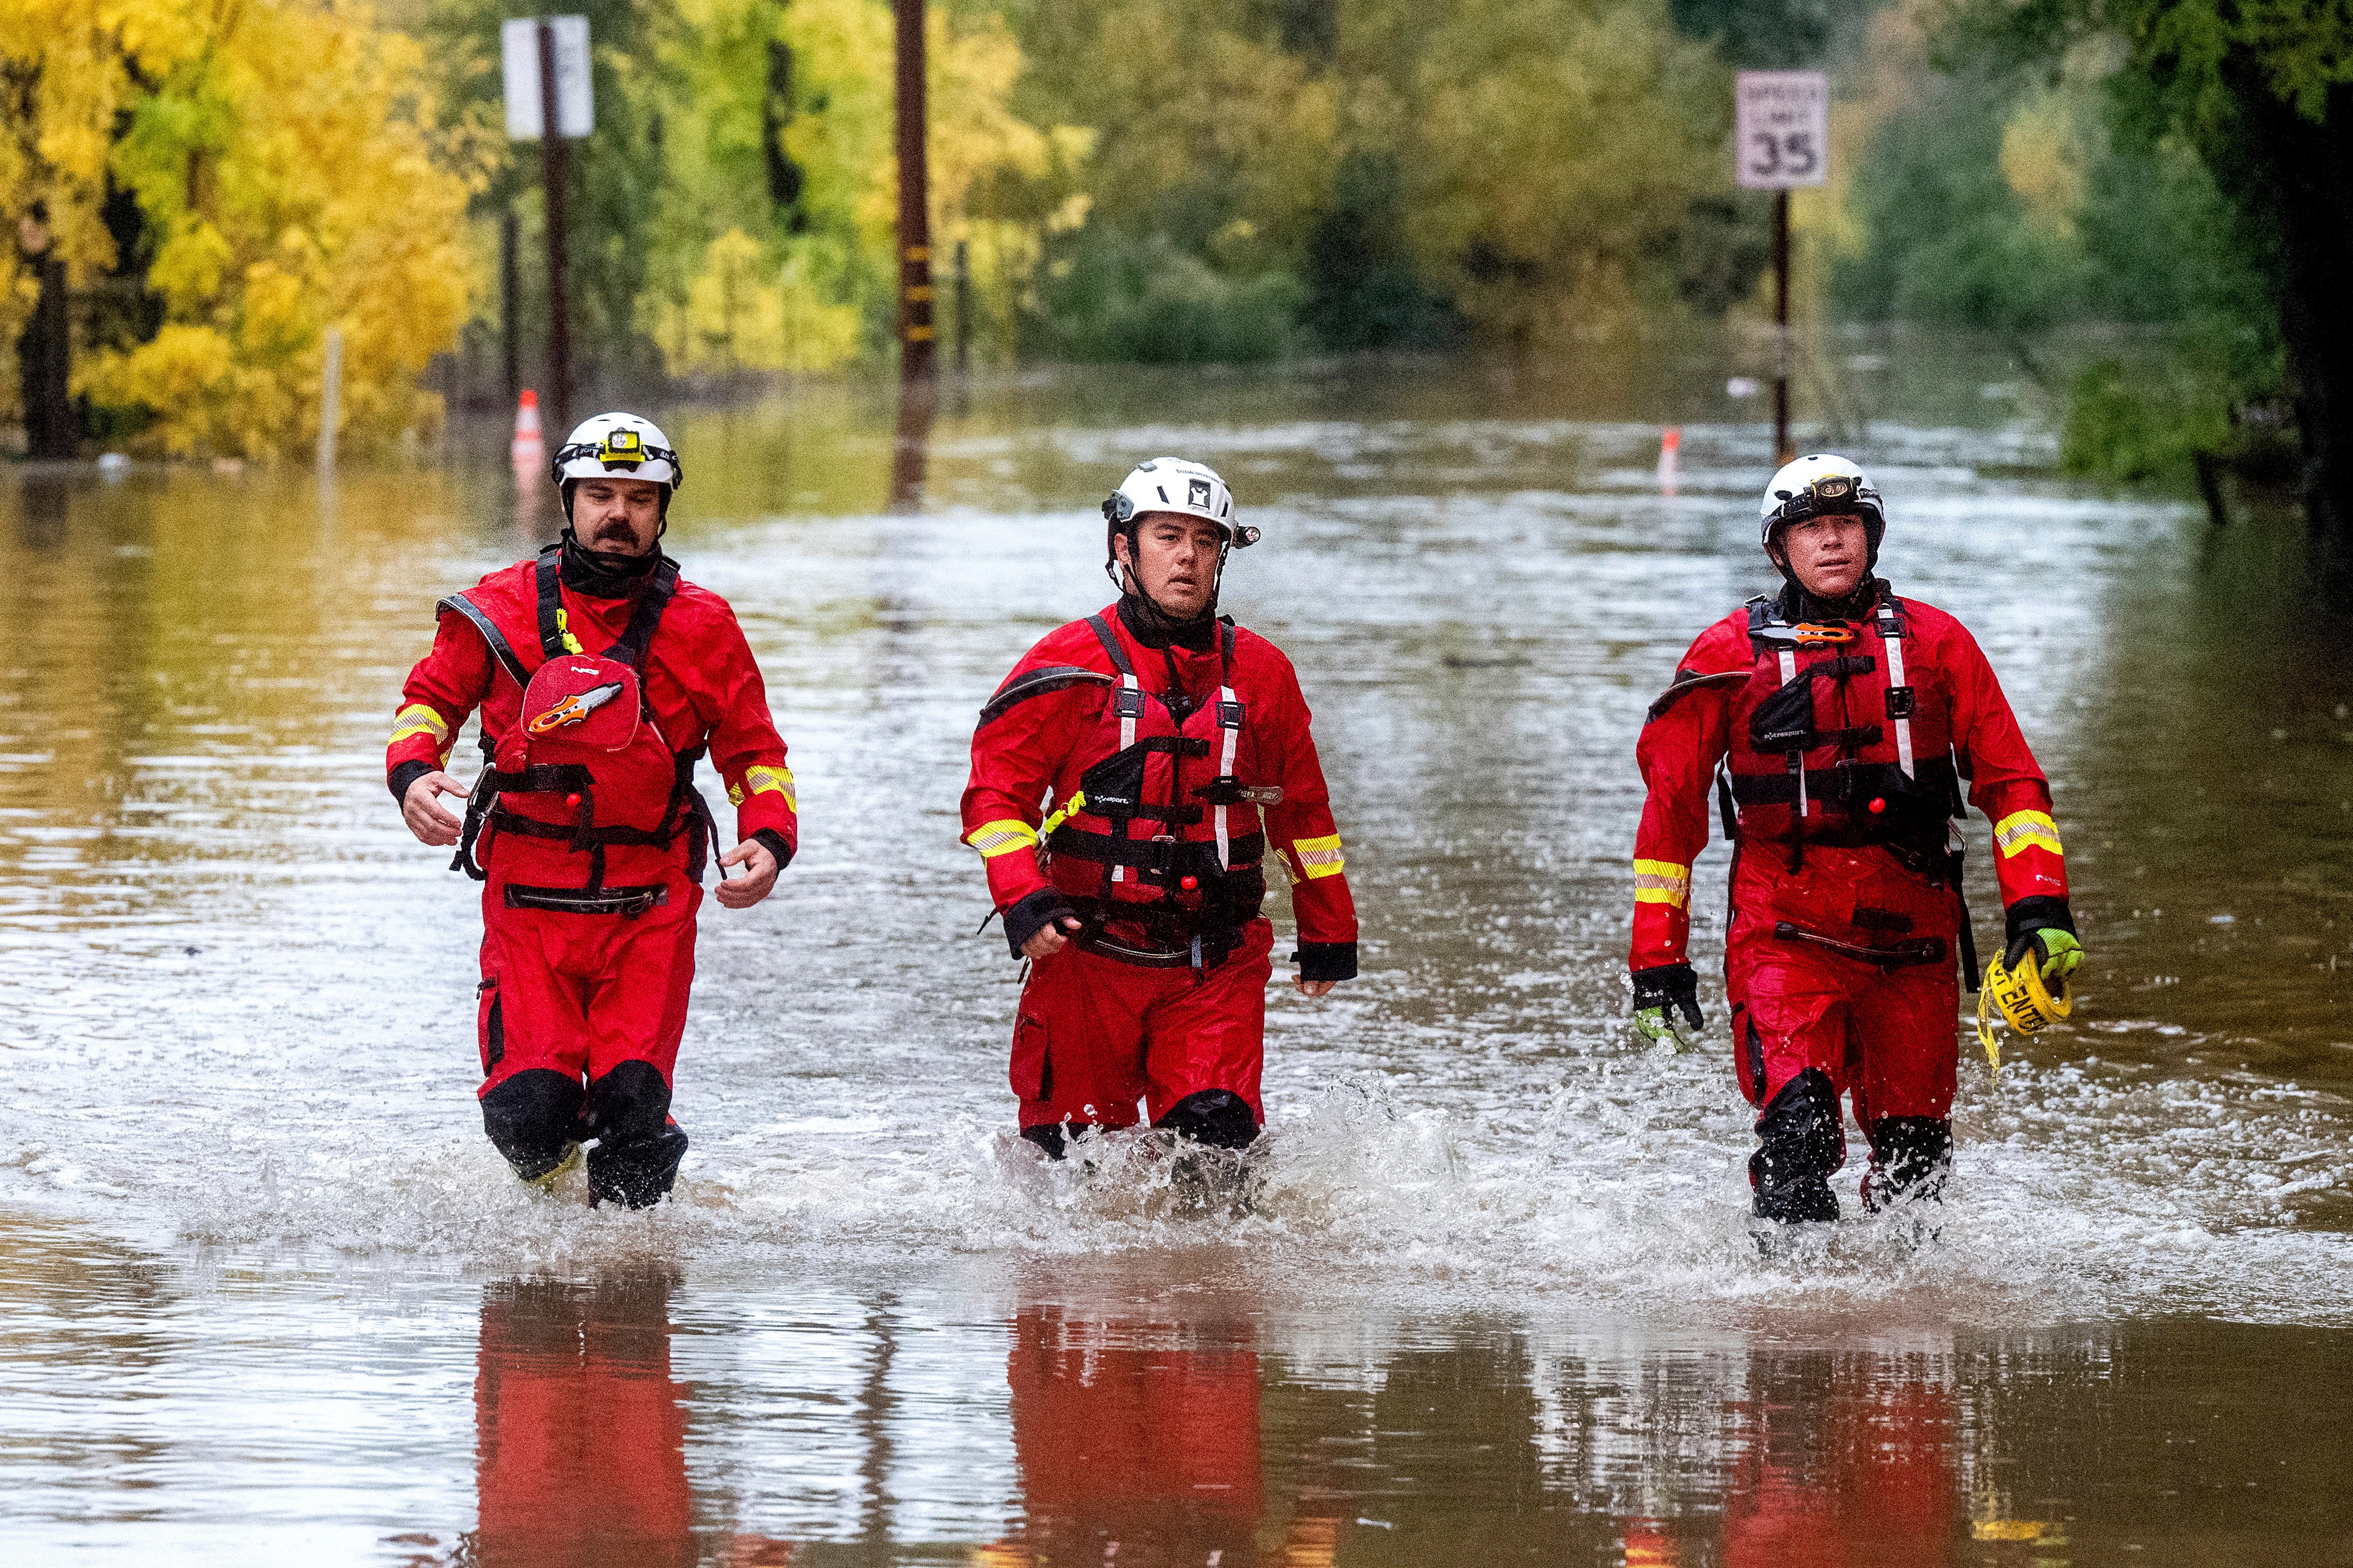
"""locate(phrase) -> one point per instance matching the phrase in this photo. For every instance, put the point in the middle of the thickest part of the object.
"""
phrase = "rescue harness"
(687, 812)
(1905, 806)
(1225, 869)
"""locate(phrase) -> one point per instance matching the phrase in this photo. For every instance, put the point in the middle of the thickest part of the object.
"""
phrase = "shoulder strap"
(646, 616)
(501, 649)
(1889, 624)
(1105, 636)
(1226, 645)
(551, 602)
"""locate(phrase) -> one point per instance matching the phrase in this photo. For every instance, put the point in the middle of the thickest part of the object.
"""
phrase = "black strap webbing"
(640, 633)
(1840, 785)
(501, 649)
(1038, 682)
(1200, 858)
(661, 587)
(1105, 636)
(551, 602)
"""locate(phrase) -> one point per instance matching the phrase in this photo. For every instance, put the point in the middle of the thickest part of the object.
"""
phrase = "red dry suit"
(1168, 771)
(592, 841)
(1842, 748)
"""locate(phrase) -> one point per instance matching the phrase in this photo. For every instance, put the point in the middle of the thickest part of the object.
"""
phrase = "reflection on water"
(581, 1433)
(268, 1289)
(634, 1416)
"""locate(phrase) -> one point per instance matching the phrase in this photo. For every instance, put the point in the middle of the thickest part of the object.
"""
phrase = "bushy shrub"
(1155, 304)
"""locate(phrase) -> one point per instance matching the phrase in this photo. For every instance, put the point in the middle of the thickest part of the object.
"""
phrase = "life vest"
(1832, 745)
(1161, 840)
(585, 770)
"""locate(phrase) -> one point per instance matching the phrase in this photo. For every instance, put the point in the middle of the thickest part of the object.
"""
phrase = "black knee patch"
(1910, 1158)
(533, 1118)
(638, 1148)
(629, 1103)
(1800, 1142)
(1216, 1117)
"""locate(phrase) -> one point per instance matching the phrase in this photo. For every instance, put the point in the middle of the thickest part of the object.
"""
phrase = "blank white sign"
(1781, 135)
(575, 113)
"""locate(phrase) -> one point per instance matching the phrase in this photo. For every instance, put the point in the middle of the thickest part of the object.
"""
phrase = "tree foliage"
(288, 176)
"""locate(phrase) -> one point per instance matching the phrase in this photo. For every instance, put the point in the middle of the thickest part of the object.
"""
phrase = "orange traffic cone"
(529, 451)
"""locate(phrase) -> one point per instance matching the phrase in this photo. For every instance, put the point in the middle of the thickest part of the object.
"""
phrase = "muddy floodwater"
(267, 1295)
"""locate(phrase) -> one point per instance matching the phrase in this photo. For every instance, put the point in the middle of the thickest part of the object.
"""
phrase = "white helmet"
(1173, 485)
(1821, 484)
(618, 445)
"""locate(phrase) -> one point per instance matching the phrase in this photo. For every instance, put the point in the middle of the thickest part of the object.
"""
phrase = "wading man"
(1169, 746)
(603, 677)
(1845, 722)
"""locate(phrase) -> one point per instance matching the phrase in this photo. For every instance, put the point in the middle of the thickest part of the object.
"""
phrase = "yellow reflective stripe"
(2026, 830)
(1319, 857)
(775, 781)
(1662, 882)
(760, 777)
(995, 839)
(418, 719)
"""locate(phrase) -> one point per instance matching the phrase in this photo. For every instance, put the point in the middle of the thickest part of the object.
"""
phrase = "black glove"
(2028, 916)
(1662, 992)
(1044, 908)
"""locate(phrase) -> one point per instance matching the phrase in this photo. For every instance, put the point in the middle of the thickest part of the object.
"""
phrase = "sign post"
(545, 61)
(1782, 140)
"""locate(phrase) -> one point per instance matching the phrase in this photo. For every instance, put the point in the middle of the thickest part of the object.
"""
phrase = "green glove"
(2062, 957)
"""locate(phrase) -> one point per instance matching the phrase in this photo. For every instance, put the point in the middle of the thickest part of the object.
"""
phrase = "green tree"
(2263, 93)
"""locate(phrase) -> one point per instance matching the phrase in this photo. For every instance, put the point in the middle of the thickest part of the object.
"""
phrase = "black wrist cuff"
(1034, 914)
(775, 844)
(2041, 912)
(1326, 959)
(403, 775)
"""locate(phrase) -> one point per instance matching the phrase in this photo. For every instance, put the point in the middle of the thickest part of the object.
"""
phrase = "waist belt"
(1208, 949)
(629, 901)
(1164, 855)
(1893, 956)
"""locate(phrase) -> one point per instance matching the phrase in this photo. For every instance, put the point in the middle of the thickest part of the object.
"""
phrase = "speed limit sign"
(1781, 128)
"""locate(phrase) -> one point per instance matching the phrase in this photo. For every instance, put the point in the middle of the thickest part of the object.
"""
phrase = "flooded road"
(271, 1296)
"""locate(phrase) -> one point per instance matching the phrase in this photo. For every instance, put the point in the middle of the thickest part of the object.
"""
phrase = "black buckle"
(1899, 702)
(1128, 702)
(1230, 715)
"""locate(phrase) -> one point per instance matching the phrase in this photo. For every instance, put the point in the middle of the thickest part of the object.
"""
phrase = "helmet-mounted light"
(1833, 495)
(622, 452)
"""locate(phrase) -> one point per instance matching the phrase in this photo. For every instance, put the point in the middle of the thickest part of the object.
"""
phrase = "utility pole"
(510, 306)
(963, 309)
(917, 348)
(551, 152)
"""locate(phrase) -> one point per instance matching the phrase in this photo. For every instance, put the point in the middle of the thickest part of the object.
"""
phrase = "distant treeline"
(1174, 181)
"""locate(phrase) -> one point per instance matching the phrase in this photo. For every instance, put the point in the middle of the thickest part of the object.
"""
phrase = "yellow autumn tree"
(67, 75)
(286, 166)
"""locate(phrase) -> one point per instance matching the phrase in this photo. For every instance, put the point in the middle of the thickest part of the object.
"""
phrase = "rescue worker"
(603, 677)
(1839, 722)
(1171, 747)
